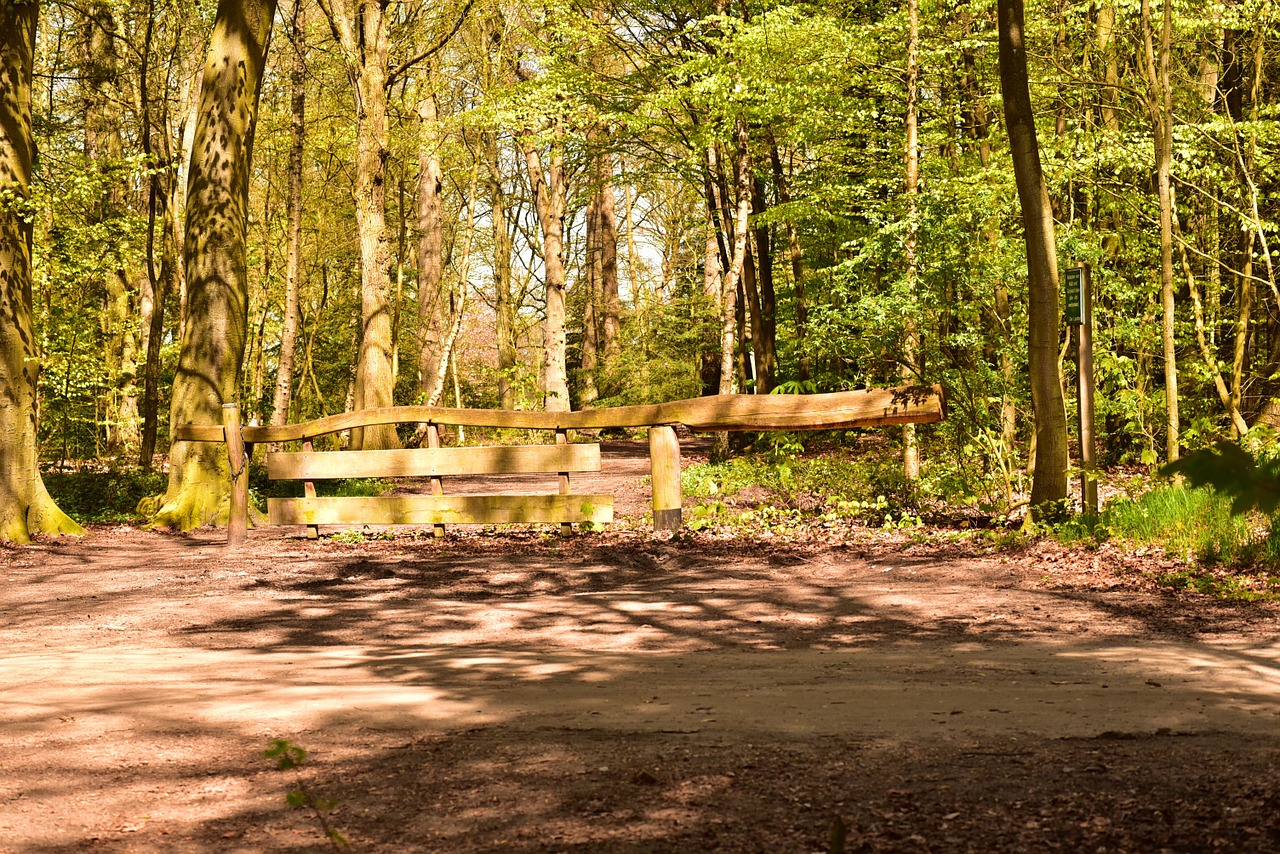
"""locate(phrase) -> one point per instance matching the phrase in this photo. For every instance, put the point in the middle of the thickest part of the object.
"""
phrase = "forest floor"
(845, 689)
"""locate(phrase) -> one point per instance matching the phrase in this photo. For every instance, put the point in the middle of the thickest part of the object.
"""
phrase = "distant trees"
(667, 200)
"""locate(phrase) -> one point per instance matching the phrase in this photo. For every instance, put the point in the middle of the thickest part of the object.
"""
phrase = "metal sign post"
(1079, 313)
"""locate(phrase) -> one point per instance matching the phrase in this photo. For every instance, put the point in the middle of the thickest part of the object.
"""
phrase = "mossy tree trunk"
(361, 29)
(213, 339)
(25, 505)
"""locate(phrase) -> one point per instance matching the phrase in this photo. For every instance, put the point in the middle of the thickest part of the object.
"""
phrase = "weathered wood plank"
(434, 462)
(442, 509)
(664, 470)
(866, 408)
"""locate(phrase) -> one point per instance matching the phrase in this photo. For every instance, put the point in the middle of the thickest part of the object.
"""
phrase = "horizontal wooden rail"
(843, 409)
(441, 509)
(434, 462)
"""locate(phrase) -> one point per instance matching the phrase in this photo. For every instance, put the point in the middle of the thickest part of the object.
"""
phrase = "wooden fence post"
(437, 484)
(238, 517)
(562, 438)
(664, 470)
(309, 491)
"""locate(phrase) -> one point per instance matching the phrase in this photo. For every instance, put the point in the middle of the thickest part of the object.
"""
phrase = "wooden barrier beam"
(441, 509)
(837, 410)
(434, 462)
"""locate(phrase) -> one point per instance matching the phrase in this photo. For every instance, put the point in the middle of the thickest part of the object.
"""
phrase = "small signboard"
(1073, 303)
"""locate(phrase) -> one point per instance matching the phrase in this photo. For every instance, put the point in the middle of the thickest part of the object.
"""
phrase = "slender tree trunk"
(104, 147)
(732, 280)
(1160, 104)
(911, 331)
(213, 343)
(293, 262)
(550, 199)
(713, 292)
(796, 258)
(1049, 475)
(503, 307)
(593, 299)
(25, 505)
(457, 302)
(765, 304)
(432, 308)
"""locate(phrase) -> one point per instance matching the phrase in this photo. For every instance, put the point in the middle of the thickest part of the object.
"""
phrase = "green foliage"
(103, 496)
(870, 486)
(1199, 523)
(1227, 468)
(289, 757)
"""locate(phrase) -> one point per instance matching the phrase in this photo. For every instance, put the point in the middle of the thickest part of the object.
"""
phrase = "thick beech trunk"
(1049, 473)
(213, 341)
(25, 505)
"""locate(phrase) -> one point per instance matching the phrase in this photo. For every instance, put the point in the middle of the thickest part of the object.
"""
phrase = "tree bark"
(764, 327)
(361, 30)
(733, 278)
(550, 199)
(503, 304)
(433, 322)
(213, 341)
(25, 505)
(293, 262)
(911, 331)
(796, 258)
(1160, 105)
(1049, 474)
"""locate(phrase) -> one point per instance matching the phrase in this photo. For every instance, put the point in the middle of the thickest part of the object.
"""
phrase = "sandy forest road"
(612, 693)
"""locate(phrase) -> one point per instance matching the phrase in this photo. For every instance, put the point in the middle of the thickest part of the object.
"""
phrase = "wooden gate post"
(664, 470)
(238, 516)
(437, 484)
(562, 438)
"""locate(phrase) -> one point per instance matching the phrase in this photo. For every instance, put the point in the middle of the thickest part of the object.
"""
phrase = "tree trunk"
(361, 31)
(732, 280)
(550, 199)
(588, 389)
(911, 331)
(433, 322)
(104, 147)
(1049, 475)
(764, 315)
(213, 341)
(796, 258)
(1160, 104)
(293, 262)
(503, 307)
(25, 505)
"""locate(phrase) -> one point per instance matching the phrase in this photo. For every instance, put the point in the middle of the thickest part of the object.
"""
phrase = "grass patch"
(865, 486)
(1189, 522)
(104, 497)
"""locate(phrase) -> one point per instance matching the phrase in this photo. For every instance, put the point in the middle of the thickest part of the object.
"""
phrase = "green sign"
(1073, 303)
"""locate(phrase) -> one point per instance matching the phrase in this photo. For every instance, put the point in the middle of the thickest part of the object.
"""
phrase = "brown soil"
(626, 692)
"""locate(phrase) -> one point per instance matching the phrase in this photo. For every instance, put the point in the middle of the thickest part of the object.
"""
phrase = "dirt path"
(624, 693)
